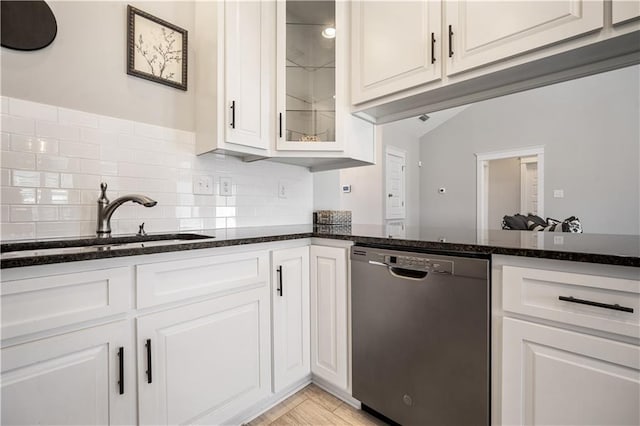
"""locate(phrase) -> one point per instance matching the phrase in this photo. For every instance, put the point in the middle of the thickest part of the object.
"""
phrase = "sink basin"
(86, 245)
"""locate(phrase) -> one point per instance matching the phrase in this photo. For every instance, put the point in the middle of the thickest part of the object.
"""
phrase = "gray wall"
(85, 67)
(591, 134)
(504, 190)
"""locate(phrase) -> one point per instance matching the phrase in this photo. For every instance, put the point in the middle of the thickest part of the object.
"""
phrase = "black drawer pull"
(121, 370)
(280, 124)
(233, 114)
(433, 48)
(279, 289)
(450, 41)
(148, 345)
(615, 307)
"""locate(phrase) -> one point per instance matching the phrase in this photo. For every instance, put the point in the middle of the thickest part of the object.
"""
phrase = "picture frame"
(156, 49)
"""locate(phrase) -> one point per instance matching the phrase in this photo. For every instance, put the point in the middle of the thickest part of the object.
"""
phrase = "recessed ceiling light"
(329, 32)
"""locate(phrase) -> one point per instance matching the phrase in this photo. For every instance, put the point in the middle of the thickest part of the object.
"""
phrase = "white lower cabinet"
(290, 296)
(560, 377)
(329, 315)
(71, 379)
(205, 362)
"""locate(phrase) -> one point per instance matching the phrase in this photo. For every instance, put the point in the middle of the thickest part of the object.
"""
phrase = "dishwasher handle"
(407, 274)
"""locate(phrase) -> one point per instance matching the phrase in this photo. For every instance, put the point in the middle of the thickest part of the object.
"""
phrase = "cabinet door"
(309, 41)
(249, 70)
(205, 362)
(71, 379)
(554, 376)
(624, 10)
(396, 45)
(481, 32)
(329, 333)
(290, 295)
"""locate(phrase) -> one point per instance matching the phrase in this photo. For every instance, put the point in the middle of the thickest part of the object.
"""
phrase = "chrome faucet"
(106, 209)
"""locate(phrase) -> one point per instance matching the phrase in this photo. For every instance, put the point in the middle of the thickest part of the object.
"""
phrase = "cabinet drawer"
(36, 304)
(537, 293)
(165, 282)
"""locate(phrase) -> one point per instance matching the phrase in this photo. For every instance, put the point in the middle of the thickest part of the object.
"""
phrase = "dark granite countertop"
(592, 248)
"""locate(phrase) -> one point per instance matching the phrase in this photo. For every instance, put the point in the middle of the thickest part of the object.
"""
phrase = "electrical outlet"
(203, 185)
(225, 186)
(283, 189)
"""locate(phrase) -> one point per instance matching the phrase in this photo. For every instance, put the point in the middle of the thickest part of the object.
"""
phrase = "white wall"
(53, 160)
(85, 67)
(591, 135)
(366, 200)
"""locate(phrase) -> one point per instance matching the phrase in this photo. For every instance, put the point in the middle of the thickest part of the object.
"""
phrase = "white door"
(71, 379)
(625, 10)
(553, 376)
(396, 45)
(290, 296)
(395, 183)
(205, 362)
(329, 304)
(529, 185)
(249, 69)
(481, 32)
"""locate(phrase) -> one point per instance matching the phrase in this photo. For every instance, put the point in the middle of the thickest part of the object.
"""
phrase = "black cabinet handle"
(279, 289)
(233, 114)
(615, 307)
(433, 48)
(450, 41)
(280, 124)
(121, 370)
(148, 345)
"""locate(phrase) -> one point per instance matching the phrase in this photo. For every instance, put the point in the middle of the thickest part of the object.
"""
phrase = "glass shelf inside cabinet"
(310, 71)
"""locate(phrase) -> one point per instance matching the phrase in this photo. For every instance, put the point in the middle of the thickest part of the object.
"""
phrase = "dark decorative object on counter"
(26, 25)
(156, 49)
(536, 223)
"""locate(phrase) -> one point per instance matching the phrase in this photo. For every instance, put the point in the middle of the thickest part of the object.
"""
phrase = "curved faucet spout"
(106, 208)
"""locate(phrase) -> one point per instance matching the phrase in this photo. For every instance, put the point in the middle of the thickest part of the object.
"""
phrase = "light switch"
(203, 185)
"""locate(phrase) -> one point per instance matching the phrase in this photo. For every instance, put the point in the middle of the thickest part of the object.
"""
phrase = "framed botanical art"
(156, 49)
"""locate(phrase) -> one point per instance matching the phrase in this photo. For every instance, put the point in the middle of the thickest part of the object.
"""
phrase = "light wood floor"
(313, 406)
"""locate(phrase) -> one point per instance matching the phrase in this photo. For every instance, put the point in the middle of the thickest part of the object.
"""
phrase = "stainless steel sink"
(87, 245)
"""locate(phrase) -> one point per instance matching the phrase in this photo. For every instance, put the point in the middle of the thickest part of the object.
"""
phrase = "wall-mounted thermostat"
(346, 188)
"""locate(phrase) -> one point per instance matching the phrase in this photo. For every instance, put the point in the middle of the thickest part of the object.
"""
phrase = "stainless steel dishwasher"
(421, 336)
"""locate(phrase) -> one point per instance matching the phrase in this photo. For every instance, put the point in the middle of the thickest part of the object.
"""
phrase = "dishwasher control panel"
(419, 263)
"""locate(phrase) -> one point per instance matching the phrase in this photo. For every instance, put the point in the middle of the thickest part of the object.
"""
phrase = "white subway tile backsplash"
(22, 108)
(57, 158)
(26, 178)
(115, 125)
(55, 130)
(4, 105)
(55, 163)
(17, 195)
(79, 150)
(34, 144)
(77, 118)
(19, 125)
(6, 141)
(18, 160)
(58, 196)
(17, 231)
(33, 213)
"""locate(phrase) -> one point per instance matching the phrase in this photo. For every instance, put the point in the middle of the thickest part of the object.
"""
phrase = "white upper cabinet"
(624, 10)
(481, 32)
(235, 76)
(396, 45)
(306, 63)
(249, 51)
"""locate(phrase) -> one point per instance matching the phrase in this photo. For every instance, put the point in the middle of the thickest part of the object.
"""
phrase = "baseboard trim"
(335, 391)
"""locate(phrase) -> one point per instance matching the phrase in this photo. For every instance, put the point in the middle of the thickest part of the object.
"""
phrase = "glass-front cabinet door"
(306, 79)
